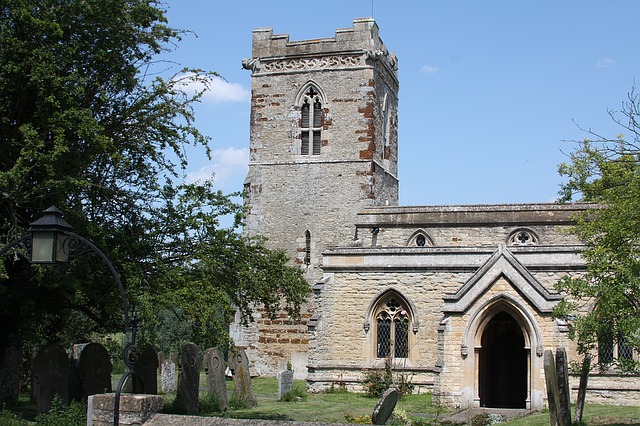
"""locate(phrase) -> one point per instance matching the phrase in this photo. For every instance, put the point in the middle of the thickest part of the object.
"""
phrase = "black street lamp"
(51, 240)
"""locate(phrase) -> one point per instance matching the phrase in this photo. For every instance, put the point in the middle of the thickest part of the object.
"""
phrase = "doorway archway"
(503, 364)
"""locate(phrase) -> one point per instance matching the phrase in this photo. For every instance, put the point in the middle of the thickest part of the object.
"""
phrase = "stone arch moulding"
(305, 87)
(478, 321)
(501, 263)
(411, 241)
(413, 312)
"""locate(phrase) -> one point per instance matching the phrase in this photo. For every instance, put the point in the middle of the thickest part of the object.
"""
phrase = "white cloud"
(429, 69)
(228, 168)
(217, 89)
(605, 63)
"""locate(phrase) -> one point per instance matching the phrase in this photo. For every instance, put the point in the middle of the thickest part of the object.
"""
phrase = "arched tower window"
(391, 319)
(311, 122)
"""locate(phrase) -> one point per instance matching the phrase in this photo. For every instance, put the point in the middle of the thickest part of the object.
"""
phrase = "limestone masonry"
(457, 298)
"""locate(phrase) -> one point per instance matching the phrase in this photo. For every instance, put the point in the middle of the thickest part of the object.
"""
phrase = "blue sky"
(489, 90)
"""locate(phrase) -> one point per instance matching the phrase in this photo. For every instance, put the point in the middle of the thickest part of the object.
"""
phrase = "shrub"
(9, 418)
(376, 382)
(75, 414)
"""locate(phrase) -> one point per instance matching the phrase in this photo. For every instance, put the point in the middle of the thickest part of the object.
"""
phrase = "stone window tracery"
(311, 122)
(392, 329)
(523, 237)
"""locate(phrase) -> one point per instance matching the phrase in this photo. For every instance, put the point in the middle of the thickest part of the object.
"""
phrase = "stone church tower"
(323, 146)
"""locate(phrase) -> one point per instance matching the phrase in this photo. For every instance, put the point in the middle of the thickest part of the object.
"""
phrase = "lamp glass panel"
(62, 252)
(42, 247)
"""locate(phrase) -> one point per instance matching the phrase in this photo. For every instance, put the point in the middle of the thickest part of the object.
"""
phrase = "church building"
(458, 298)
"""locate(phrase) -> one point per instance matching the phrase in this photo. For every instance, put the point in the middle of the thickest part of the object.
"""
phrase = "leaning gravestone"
(50, 369)
(385, 406)
(168, 376)
(239, 366)
(95, 369)
(145, 370)
(285, 383)
(188, 379)
(552, 387)
(216, 381)
(562, 370)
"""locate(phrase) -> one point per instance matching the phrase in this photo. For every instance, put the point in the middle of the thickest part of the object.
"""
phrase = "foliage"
(294, 395)
(92, 122)
(210, 404)
(74, 414)
(605, 301)
(376, 382)
(357, 420)
(9, 418)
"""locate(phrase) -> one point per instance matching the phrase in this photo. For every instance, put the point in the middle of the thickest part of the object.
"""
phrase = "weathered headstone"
(188, 379)
(76, 392)
(145, 370)
(239, 366)
(552, 387)
(168, 376)
(77, 349)
(285, 383)
(562, 370)
(10, 373)
(95, 369)
(385, 406)
(50, 369)
(214, 369)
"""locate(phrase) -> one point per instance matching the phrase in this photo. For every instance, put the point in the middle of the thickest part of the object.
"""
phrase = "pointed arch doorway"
(503, 364)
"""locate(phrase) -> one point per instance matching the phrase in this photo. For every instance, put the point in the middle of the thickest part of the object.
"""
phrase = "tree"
(605, 301)
(90, 124)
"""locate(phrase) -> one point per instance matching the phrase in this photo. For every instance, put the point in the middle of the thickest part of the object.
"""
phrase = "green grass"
(332, 407)
(591, 411)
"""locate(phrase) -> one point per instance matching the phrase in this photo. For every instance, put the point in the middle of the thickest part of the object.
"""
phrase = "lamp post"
(51, 240)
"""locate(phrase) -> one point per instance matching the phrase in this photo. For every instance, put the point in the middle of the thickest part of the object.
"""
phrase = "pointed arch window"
(311, 123)
(392, 328)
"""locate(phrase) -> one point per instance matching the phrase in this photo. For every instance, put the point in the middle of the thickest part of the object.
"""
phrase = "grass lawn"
(333, 407)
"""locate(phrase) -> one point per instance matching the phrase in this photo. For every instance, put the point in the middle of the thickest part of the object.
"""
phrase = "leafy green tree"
(605, 301)
(89, 122)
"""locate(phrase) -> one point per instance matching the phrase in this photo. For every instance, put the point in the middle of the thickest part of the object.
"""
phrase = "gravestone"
(10, 373)
(385, 406)
(168, 376)
(188, 379)
(552, 387)
(145, 379)
(76, 392)
(214, 369)
(50, 369)
(95, 369)
(285, 383)
(239, 366)
(562, 370)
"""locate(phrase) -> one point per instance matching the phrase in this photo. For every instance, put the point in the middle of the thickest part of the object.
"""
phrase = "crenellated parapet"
(351, 48)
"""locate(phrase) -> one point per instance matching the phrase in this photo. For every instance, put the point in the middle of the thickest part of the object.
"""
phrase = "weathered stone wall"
(608, 388)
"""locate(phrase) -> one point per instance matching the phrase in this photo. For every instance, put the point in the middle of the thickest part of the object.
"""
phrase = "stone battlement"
(363, 36)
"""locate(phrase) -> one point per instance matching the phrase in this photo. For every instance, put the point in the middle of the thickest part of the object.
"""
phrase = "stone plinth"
(135, 409)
